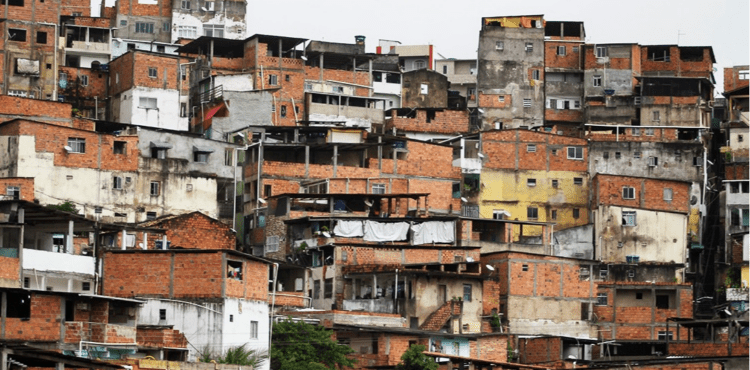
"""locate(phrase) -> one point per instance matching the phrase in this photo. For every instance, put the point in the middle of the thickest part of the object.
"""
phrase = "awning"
(160, 145)
(213, 111)
(202, 149)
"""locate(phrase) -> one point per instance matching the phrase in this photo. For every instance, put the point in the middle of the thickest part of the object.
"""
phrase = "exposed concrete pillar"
(122, 242)
(69, 239)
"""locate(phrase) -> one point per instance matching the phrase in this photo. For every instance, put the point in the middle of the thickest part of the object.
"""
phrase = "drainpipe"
(273, 304)
(395, 291)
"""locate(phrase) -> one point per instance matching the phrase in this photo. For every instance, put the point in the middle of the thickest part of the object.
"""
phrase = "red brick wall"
(709, 349)
(128, 274)
(539, 350)
(99, 147)
(48, 11)
(590, 60)
(25, 183)
(446, 121)
(97, 85)
(736, 171)
(567, 115)
(732, 78)
(9, 272)
(198, 231)
(493, 100)
(40, 110)
(503, 148)
(199, 275)
(44, 324)
(648, 193)
(492, 348)
(569, 60)
(682, 68)
(158, 338)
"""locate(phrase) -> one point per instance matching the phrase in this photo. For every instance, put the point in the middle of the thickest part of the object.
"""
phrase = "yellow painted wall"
(745, 276)
(509, 191)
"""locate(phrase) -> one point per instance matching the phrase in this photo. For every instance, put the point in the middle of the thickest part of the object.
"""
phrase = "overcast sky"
(453, 26)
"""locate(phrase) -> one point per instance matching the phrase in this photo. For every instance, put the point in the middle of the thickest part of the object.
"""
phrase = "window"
(578, 181)
(189, 32)
(601, 299)
(532, 213)
(555, 183)
(287, 78)
(744, 74)
(553, 214)
(628, 192)
(603, 272)
(200, 157)
(420, 64)
(15, 34)
(739, 217)
(637, 155)
(153, 72)
(601, 52)
(618, 155)
(531, 148)
(655, 116)
(328, 288)
(155, 191)
(527, 103)
(530, 182)
(144, 27)
(576, 213)
(663, 335)
(228, 156)
(535, 74)
(552, 103)
(653, 161)
(649, 132)
(253, 330)
(85, 286)
(41, 37)
(185, 4)
(12, 2)
(636, 132)
(445, 70)
(561, 50)
(529, 47)
(213, 30)
(423, 89)
(467, 292)
(273, 80)
(159, 153)
(605, 155)
(150, 215)
(77, 145)
(147, 103)
(123, 23)
(378, 188)
(628, 218)
(668, 193)
(13, 191)
(84, 80)
(316, 289)
(283, 111)
(597, 80)
(117, 183)
(525, 267)
(498, 214)
(575, 152)
(162, 314)
(697, 161)
(500, 45)
(662, 301)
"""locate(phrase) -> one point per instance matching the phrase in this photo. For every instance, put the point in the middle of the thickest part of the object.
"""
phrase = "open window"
(234, 270)
(18, 305)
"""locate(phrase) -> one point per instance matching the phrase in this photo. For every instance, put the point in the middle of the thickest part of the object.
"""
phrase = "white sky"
(453, 26)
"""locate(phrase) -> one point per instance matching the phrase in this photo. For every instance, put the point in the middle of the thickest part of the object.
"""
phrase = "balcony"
(58, 262)
(89, 47)
(380, 305)
(345, 115)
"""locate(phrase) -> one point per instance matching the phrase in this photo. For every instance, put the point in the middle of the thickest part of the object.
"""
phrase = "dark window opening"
(120, 147)
(162, 314)
(662, 301)
(69, 310)
(41, 37)
(687, 134)
(658, 53)
(328, 288)
(18, 305)
(639, 295)
(15, 34)
(12, 2)
(234, 270)
(430, 115)
(691, 54)
(393, 78)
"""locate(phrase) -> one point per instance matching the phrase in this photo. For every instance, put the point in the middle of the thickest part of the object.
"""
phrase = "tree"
(415, 359)
(239, 355)
(302, 346)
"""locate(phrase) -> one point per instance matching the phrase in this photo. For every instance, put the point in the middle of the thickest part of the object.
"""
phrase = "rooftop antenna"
(678, 37)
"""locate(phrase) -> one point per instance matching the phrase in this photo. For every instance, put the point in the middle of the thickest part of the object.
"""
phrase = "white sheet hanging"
(385, 232)
(433, 232)
(348, 229)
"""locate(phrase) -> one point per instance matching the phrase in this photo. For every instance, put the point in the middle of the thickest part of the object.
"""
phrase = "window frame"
(155, 188)
(602, 299)
(153, 72)
(628, 192)
(467, 292)
(629, 218)
(561, 50)
(576, 150)
(668, 194)
(499, 45)
(532, 213)
(117, 182)
(529, 47)
(601, 52)
(253, 329)
(597, 81)
(144, 27)
(380, 187)
(77, 145)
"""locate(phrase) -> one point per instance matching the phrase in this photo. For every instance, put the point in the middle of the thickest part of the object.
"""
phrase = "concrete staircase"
(439, 317)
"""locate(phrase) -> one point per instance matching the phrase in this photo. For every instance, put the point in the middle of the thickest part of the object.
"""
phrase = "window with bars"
(77, 145)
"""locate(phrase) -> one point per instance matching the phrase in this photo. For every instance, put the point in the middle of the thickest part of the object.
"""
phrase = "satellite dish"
(480, 155)
(68, 149)
(489, 267)
(464, 200)
(368, 203)
(480, 110)
(326, 234)
(262, 200)
(693, 200)
(204, 9)
(303, 57)
(469, 259)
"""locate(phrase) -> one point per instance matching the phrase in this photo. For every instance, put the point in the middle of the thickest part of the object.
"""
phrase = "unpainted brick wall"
(198, 231)
(445, 121)
(504, 148)
(44, 323)
(649, 193)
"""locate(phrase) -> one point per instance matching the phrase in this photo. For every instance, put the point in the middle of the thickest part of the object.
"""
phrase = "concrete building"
(462, 75)
(410, 57)
(510, 72)
(194, 18)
